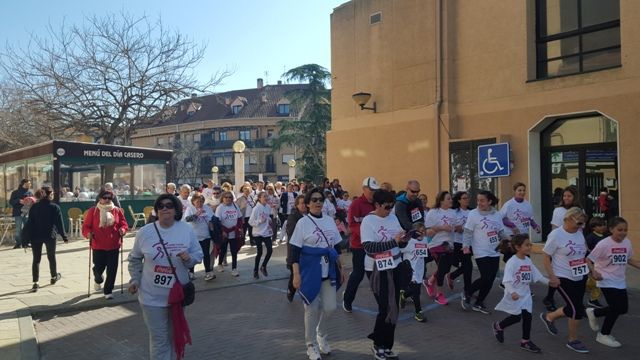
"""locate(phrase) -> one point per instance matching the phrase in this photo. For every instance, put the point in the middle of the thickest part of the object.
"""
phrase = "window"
(375, 18)
(253, 159)
(286, 158)
(235, 109)
(171, 140)
(269, 133)
(196, 138)
(222, 136)
(188, 138)
(245, 134)
(575, 36)
(283, 109)
(160, 141)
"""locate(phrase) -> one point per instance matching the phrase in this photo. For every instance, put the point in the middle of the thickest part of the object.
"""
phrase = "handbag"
(188, 289)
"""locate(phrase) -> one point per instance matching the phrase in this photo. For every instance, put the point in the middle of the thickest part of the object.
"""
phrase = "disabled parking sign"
(493, 160)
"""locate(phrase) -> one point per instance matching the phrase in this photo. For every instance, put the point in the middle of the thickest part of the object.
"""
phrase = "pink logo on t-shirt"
(383, 232)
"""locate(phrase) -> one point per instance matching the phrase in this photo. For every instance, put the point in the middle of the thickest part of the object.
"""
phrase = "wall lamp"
(361, 99)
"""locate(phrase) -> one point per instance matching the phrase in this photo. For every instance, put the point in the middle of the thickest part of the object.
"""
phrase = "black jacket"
(17, 195)
(45, 221)
(284, 199)
(292, 220)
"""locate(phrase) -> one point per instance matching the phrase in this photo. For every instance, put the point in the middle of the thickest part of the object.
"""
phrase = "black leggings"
(206, 258)
(488, 267)
(413, 291)
(618, 304)
(525, 316)
(234, 252)
(465, 267)
(267, 243)
(36, 249)
(106, 259)
(444, 261)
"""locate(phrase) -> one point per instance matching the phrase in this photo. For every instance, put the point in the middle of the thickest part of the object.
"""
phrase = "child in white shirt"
(415, 252)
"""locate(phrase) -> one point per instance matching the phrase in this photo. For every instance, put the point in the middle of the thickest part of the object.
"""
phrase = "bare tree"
(108, 76)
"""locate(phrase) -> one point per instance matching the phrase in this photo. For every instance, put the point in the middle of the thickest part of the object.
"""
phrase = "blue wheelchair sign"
(493, 160)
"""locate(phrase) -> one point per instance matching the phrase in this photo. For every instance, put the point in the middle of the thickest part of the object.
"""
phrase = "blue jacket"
(311, 271)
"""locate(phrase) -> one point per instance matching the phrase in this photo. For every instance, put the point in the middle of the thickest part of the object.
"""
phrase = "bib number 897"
(162, 279)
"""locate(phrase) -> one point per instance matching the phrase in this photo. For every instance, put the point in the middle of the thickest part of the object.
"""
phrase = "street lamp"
(292, 169)
(238, 149)
(214, 174)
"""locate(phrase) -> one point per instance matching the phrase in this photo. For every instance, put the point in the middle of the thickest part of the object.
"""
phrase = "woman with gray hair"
(109, 187)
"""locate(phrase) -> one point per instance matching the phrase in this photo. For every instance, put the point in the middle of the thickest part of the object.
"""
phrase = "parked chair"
(75, 221)
(137, 217)
(147, 211)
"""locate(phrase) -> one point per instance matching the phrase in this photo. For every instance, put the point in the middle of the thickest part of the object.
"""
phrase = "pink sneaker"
(428, 285)
(441, 299)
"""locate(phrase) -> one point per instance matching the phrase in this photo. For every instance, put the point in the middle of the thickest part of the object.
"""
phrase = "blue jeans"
(19, 220)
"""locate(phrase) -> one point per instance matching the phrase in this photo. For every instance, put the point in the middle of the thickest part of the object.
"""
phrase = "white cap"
(371, 183)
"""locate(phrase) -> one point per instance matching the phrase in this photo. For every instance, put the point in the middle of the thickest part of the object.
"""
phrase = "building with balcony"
(203, 129)
(558, 80)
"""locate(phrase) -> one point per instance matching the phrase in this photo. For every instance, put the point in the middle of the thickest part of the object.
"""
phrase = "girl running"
(608, 262)
(519, 272)
(440, 223)
(415, 252)
(461, 260)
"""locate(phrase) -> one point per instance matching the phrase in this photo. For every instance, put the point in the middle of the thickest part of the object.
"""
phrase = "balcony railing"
(208, 144)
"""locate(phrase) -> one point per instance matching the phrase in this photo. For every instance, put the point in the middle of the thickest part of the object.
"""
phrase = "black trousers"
(106, 259)
(357, 274)
(413, 290)
(465, 266)
(233, 243)
(525, 316)
(488, 267)
(444, 260)
(36, 249)
(268, 244)
(383, 334)
(618, 304)
(206, 252)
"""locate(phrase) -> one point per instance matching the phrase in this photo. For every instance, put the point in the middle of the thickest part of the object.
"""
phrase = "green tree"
(307, 132)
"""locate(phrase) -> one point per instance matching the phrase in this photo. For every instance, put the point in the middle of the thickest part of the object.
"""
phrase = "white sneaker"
(220, 268)
(608, 340)
(323, 345)
(192, 276)
(312, 353)
(209, 276)
(235, 273)
(108, 296)
(97, 287)
(593, 321)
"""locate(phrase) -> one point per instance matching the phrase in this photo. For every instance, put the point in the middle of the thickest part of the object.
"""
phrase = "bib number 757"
(579, 267)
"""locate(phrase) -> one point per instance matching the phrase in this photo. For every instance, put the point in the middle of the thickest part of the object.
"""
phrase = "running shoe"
(497, 332)
(530, 346)
(465, 302)
(551, 328)
(449, 281)
(608, 340)
(35, 287)
(255, 274)
(389, 354)
(263, 270)
(313, 353)
(323, 345)
(428, 285)
(593, 321)
(219, 268)
(209, 276)
(577, 346)
(347, 307)
(420, 317)
(441, 299)
(550, 304)
(378, 353)
(595, 304)
(96, 286)
(108, 296)
(224, 262)
(56, 278)
(479, 307)
(235, 273)
(403, 299)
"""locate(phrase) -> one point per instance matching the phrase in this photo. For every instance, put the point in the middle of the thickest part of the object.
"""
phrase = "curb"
(29, 349)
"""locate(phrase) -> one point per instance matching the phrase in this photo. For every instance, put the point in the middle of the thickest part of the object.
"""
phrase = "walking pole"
(121, 264)
(89, 272)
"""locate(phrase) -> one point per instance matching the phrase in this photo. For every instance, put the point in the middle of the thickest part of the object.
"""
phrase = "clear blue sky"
(250, 36)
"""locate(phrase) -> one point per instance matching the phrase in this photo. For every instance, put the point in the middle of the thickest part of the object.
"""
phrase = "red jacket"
(359, 208)
(105, 238)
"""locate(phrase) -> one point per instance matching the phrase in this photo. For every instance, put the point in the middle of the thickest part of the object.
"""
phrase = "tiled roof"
(260, 103)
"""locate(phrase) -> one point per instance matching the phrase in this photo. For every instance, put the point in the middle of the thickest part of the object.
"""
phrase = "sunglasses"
(215, 193)
(168, 206)
(388, 207)
(107, 198)
(315, 199)
(414, 191)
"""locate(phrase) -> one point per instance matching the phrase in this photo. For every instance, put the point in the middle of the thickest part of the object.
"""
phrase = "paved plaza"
(240, 318)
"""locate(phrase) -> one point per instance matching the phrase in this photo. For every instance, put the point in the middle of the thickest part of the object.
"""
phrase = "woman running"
(461, 259)
(440, 223)
(262, 223)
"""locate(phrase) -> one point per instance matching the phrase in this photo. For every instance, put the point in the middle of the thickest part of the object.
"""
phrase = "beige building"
(203, 130)
(558, 80)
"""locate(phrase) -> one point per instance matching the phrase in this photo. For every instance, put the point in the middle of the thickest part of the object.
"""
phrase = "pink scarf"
(181, 332)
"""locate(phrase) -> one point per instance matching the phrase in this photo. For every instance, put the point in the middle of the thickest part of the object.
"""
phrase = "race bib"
(619, 256)
(416, 215)
(579, 267)
(384, 261)
(525, 224)
(163, 276)
(421, 250)
(525, 274)
(493, 237)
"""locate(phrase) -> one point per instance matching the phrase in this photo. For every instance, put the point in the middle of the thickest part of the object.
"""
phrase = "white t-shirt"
(318, 233)
(261, 220)
(380, 229)
(157, 277)
(343, 204)
(416, 251)
(486, 232)
(328, 208)
(185, 202)
(518, 275)
(568, 252)
(610, 259)
(462, 215)
(519, 213)
(441, 217)
(229, 215)
(201, 224)
(558, 216)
